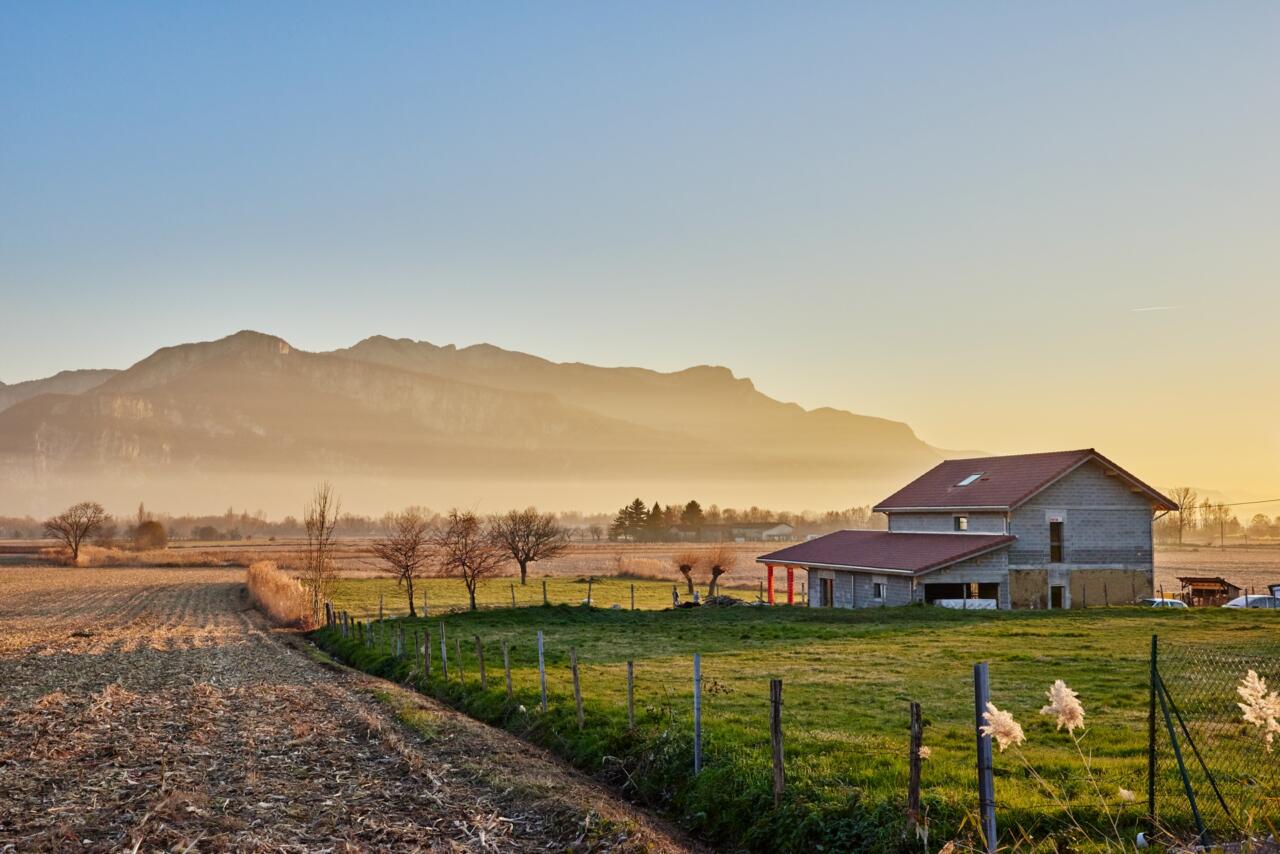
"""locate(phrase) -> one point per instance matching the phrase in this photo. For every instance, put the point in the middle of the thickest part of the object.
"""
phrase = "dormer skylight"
(970, 479)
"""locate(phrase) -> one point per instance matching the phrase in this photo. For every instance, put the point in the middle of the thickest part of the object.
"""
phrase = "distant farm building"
(1202, 590)
(1051, 530)
(740, 532)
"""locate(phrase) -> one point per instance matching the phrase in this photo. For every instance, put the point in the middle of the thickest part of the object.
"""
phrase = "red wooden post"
(791, 585)
(769, 569)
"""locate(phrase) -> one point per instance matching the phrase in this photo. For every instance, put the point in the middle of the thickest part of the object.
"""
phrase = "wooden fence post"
(697, 713)
(484, 682)
(513, 595)
(986, 779)
(400, 642)
(633, 597)
(675, 597)
(590, 580)
(775, 736)
(542, 665)
(544, 591)
(424, 602)
(914, 761)
(577, 687)
(506, 666)
(444, 653)
(631, 695)
(457, 651)
(379, 607)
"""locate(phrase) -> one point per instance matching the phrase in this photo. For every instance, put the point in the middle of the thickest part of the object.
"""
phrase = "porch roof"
(891, 551)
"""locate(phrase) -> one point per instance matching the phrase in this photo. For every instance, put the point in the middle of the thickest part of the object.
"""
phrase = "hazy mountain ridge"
(63, 382)
(701, 400)
(251, 414)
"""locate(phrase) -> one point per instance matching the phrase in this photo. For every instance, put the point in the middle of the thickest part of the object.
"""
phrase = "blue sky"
(940, 213)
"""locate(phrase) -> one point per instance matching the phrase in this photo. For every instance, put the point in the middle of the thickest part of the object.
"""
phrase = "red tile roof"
(891, 551)
(1004, 482)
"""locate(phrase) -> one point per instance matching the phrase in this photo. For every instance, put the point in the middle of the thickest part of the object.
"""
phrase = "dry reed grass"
(278, 595)
(99, 556)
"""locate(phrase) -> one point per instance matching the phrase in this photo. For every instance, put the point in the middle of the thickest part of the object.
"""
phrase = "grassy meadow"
(848, 678)
(360, 596)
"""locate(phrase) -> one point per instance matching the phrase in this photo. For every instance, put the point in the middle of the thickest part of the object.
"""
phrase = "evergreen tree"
(692, 514)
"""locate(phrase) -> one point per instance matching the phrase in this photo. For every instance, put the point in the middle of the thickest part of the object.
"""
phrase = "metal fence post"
(1151, 738)
(577, 686)
(506, 666)
(444, 653)
(542, 667)
(913, 780)
(775, 737)
(631, 695)
(697, 713)
(986, 780)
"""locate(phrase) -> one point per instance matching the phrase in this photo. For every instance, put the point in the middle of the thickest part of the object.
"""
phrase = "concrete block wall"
(1103, 522)
(855, 589)
(979, 523)
(992, 567)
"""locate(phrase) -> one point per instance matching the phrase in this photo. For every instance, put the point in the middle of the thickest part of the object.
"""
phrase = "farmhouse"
(1050, 530)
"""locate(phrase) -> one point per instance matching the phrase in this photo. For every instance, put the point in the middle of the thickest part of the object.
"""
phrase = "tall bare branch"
(320, 519)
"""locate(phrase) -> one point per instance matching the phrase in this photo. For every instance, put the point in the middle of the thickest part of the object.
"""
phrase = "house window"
(970, 479)
(877, 590)
(1055, 542)
(961, 522)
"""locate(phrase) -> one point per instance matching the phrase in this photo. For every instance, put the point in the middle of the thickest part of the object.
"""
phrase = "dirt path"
(148, 709)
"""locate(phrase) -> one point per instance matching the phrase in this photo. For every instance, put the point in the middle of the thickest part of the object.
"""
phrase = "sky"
(1015, 226)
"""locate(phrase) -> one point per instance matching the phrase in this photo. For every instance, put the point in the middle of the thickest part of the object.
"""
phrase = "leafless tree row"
(465, 546)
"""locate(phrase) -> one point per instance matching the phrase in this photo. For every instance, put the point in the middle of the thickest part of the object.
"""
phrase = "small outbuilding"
(1201, 591)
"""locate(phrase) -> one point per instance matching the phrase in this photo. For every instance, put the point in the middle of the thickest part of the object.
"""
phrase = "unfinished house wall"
(992, 567)
(1094, 587)
(944, 522)
(1104, 523)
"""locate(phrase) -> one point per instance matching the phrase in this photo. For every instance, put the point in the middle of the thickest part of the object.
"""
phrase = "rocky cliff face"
(249, 413)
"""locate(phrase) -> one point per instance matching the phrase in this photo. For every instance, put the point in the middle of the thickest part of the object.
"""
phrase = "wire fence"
(1214, 751)
(1209, 770)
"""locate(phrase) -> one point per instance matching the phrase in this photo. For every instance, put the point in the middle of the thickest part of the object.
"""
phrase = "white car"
(1164, 603)
(1262, 601)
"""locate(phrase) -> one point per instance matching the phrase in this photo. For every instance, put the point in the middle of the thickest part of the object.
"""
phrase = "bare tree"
(1185, 497)
(465, 548)
(72, 526)
(405, 548)
(687, 562)
(320, 520)
(529, 536)
(721, 559)
(1220, 514)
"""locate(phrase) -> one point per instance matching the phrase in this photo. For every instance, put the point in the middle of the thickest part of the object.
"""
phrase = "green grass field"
(360, 596)
(848, 678)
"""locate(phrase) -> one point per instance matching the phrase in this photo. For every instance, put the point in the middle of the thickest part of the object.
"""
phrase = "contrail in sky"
(1156, 308)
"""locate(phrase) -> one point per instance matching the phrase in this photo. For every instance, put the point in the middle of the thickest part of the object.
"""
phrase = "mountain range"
(248, 420)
